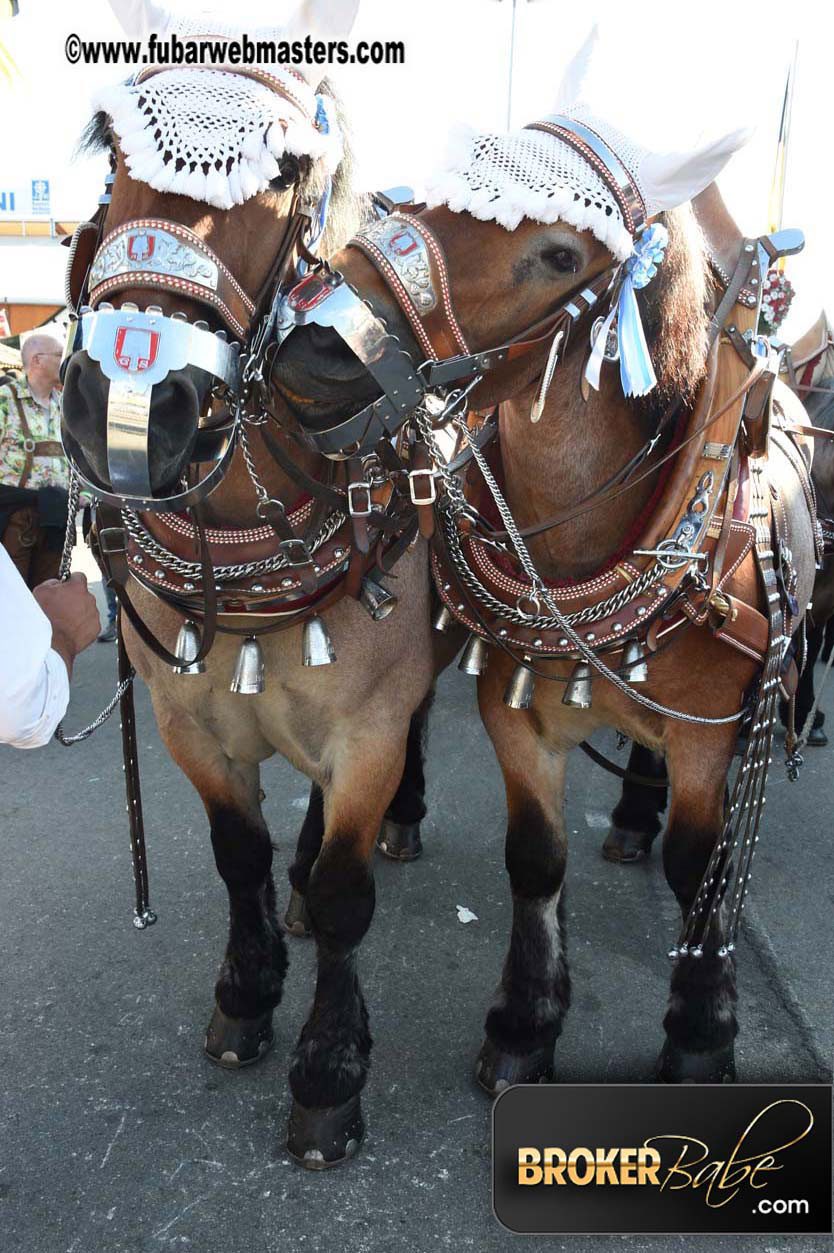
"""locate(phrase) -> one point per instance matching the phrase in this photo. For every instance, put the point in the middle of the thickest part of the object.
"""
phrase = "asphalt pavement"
(117, 1134)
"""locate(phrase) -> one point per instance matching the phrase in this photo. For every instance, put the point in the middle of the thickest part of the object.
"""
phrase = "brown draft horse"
(348, 726)
(502, 283)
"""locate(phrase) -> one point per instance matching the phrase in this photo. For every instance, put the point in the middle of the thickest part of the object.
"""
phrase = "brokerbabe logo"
(655, 1158)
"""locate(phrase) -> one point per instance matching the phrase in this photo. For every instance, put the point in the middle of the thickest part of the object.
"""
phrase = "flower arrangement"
(777, 296)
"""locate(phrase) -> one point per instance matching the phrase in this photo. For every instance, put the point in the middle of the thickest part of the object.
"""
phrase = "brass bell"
(443, 620)
(519, 693)
(578, 690)
(475, 656)
(187, 648)
(634, 668)
(249, 669)
(316, 645)
(376, 599)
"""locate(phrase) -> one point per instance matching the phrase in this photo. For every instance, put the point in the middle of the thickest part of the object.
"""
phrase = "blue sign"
(40, 195)
(7, 202)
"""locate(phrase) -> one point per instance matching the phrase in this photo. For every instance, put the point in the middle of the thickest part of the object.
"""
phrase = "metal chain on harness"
(74, 493)
(540, 594)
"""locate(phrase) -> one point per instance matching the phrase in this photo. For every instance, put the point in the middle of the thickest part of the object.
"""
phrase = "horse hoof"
(622, 845)
(296, 919)
(676, 1065)
(399, 840)
(496, 1070)
(320, 1138)
(236, 1042)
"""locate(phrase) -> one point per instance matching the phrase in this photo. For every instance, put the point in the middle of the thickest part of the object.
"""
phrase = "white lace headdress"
(218, 136)
(652, 122)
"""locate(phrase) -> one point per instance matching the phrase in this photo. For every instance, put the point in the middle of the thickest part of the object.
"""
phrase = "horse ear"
(139, 18)
(323, 19)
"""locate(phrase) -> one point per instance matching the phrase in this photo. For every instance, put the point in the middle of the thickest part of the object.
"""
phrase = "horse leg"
(297, 919)
(700, 1022)
(332, 1056)
(399, 837)
(532, 998)
(635, 823)
(251, 976)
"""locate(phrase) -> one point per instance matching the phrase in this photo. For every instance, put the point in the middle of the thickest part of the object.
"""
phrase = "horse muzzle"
(152, 374)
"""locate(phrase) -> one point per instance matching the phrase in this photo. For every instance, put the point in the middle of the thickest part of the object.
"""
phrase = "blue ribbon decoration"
(637, 374)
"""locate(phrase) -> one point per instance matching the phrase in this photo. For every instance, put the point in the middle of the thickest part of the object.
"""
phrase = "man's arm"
(40, 636)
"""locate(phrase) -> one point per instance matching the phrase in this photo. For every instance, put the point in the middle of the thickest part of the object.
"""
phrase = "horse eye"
(561, 259)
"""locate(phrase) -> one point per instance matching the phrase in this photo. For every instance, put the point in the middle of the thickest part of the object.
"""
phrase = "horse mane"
(675, 311)
(348, 209)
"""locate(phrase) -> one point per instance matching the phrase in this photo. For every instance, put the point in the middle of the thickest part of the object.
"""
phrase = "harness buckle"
(29, 444)
(431, 496)
(353, 505)
(296, 552)
(112, 539)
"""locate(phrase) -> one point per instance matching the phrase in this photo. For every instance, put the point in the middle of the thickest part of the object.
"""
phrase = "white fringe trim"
(515, 202)
(252, 170)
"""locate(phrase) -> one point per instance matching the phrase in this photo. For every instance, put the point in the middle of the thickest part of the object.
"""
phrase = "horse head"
(214, 175)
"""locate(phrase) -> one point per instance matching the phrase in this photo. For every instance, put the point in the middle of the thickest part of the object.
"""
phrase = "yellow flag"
(777, 190)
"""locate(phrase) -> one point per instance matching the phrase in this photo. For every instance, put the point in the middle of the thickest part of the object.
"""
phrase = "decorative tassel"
(252, 145)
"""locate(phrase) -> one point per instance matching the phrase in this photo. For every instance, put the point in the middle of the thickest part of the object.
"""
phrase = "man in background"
(33, 468)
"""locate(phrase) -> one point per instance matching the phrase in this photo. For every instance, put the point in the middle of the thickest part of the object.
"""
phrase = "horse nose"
(172, 421)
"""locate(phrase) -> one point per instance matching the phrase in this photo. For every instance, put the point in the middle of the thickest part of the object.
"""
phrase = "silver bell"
(475, 656)
(443, 620)
(316, 645)
(519, 693)
(249, 669)
(376, 599)
(187, 648)
(578, 690)
(634, 668)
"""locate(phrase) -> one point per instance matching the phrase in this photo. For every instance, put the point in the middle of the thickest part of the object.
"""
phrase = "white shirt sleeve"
(34, 684)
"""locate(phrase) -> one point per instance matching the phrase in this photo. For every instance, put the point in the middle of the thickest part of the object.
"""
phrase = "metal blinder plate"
(335, 304)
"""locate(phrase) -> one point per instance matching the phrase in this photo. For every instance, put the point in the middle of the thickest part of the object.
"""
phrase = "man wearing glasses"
(33, 468)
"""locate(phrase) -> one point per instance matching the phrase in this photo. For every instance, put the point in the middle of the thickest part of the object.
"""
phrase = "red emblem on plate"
(135, 348)
(140, 247)
(311, 291)
(402, 243)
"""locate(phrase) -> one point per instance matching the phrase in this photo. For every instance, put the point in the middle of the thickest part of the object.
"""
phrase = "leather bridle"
(137, 349)
(411, 261)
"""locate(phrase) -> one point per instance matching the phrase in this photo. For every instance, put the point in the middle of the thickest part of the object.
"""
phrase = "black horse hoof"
(399, 840)
(296, 919)
(236, 1042)
(622, 845)
(320, 1138)
(816, 736)
(675, 1065)
(496, 1070)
